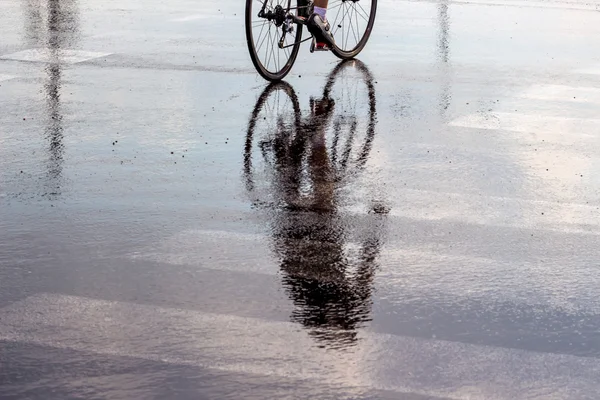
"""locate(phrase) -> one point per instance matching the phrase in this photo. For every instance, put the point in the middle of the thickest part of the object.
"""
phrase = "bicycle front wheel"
(267, 25)
(351, 25)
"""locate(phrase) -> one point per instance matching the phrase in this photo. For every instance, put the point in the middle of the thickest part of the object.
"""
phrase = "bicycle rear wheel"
(351, 25)
(266, 25)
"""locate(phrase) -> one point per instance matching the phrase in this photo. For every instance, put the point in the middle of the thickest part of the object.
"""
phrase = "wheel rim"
(350, 21)
(266, 35)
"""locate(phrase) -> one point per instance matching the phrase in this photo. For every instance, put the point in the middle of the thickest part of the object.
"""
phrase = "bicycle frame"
(287, 17)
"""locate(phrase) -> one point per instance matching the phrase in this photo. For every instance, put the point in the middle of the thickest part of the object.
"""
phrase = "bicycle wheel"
(351, 25)
(268, 25)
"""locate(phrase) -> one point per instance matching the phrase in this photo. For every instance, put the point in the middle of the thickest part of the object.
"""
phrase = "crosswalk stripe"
(540, 125)
(4, 77)
(193, 17)
(400, 265)
(588, 71)
(563, 93)
(249, 345)
(66, 56)
(487, 210)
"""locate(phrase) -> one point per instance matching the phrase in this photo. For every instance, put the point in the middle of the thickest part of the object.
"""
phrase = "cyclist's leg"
(319, 26)
(321, 7)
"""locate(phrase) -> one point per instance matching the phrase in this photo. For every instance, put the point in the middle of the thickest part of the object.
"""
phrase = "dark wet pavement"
(173, 227)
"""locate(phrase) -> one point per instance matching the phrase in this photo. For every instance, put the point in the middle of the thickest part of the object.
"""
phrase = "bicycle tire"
(340, 48)
(280, 71)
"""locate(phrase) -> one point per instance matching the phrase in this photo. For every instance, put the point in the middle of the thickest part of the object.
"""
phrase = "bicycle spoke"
(365, 14)
(357, 28)
(272, 52)
(335, 26)
(351, 26)
(263, 41)
(356, 33)
(273, 49)
(339, 4)
(267, 54)
(344, 43)
(278, 51)
(260, 35)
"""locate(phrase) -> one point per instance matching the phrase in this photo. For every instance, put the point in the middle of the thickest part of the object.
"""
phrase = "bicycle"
(279, 26)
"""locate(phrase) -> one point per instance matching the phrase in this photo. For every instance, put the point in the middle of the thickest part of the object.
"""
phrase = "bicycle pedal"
(316, 46)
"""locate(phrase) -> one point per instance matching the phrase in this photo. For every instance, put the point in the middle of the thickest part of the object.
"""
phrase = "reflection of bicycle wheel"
(272, 142)
(351, 24)
(352, 128)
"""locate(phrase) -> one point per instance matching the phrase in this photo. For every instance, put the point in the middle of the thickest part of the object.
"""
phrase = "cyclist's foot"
(321, 107)
(317, 46)
(321, 30)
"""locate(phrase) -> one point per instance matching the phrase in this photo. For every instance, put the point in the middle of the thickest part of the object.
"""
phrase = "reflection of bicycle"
(296, 171)
(274, 31)
(280, 140)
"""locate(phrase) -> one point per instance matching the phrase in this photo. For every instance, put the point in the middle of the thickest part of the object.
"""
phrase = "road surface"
(157, 241)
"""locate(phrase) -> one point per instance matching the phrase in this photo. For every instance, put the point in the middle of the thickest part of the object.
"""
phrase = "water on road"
(420, 223)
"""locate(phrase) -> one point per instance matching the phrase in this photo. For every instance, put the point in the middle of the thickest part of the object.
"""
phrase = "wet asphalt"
(421, 223)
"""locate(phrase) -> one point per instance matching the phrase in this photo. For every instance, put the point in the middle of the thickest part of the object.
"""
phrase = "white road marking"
(121, 34)
(539, 125)
(588, 71)
(6, 77)
(590, 95)
(417, 269)
(249, 345)
(46, 55)
(194, 17)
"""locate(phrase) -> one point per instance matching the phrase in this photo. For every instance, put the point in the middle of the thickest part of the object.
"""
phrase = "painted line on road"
(588, 71)
(417, 270)
(540, 125)
(287, 350)
(6, 77)
(497, 211)
(194, 17)
(129, 34)
(48, 56)
(557, 5)
(563, 93)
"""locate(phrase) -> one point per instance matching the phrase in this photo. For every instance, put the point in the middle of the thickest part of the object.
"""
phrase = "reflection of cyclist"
(321, 170)
(319, 26)
(327, 262)
(330, 286)
(310, 145)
